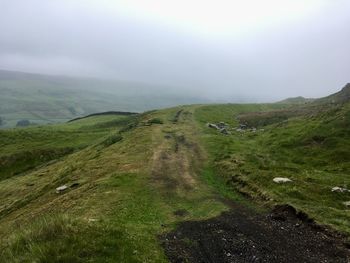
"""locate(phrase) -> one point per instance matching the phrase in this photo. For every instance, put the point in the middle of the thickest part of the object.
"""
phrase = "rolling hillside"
(50, 99)
(163, 186)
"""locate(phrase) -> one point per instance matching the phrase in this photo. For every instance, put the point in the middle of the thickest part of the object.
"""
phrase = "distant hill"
(296, 107)
(296, 100)
(48, 99)
(341, 96)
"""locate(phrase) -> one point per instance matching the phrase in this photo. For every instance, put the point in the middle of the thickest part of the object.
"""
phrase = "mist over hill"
(48, 99)
(174, 131)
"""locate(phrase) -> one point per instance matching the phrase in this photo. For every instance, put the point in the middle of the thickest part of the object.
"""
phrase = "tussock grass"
(60, 238)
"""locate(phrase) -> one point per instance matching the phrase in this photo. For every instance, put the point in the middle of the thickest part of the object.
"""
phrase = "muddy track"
(173, 161)
(171, 168)
(177, 116)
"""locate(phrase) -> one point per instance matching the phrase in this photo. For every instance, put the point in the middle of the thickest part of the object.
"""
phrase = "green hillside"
(296, 100)
(132, 179)
(44, 99)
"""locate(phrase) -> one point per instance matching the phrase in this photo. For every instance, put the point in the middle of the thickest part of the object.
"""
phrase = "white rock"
(61, 188)
(280, 180)
(339, 189)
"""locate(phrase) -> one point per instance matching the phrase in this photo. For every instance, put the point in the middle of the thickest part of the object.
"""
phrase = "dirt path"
(240, 235)
(174, 160)
(171, 167)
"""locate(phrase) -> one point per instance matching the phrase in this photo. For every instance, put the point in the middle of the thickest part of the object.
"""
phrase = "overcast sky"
(235, 49)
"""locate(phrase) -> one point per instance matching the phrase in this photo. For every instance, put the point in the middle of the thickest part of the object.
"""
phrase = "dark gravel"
(242, 235)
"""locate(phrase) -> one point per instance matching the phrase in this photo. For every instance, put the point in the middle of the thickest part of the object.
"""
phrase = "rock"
(222, 125)
(211, 125)
(224, 131)
(281, 180)
(340, 189)
(61, 189)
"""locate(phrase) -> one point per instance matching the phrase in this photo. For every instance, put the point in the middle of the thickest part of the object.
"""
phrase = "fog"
(223, 50)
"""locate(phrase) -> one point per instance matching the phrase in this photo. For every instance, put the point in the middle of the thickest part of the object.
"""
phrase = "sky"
(225, 50)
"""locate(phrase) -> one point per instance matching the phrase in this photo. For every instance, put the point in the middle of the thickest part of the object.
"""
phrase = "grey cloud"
(309, 58)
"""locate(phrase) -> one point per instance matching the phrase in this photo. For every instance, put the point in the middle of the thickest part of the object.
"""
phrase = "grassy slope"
(312, 150)
(123, 200)
(131, 190)
(24, 149)
(296, 100)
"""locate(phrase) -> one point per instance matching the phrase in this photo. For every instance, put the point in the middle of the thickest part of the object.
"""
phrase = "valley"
(28, 99)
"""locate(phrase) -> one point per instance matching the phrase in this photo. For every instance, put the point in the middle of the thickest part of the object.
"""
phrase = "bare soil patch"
(171, 167)
(243, 235)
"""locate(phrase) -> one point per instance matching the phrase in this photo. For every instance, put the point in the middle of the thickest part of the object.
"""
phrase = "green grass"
(221, 186)
(60, 238)
(26, 148)
(117, 211)
(132, 174)
(312, 150)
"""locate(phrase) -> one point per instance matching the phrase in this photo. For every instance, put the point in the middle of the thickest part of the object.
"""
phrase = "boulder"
(281, 180)
(61, 189)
